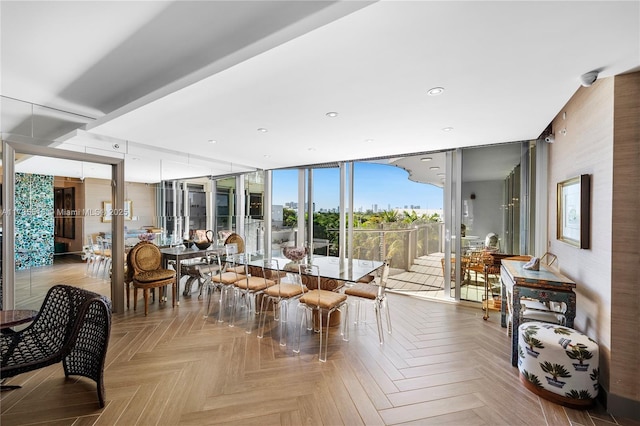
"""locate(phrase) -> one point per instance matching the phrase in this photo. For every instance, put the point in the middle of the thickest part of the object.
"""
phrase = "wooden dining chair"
(146, 260)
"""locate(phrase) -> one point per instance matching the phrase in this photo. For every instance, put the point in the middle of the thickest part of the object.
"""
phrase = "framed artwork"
(108, 212)
(574, 215)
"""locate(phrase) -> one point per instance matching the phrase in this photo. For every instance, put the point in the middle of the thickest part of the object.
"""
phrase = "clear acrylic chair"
(211, 268)
(280, 295)
(317, 304)
(91, 255)
(375, 292)
(247, 289)
(104, 253)
(225, 278)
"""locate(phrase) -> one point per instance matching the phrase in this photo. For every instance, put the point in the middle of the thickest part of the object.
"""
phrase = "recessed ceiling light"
(441, 174)
(434, 168)
(311, 149)
(435, 91)
(262, 130)
(426, 159)
(267, 156)
(447, 129)
(332, 114)
(368, 140)
(212, 141)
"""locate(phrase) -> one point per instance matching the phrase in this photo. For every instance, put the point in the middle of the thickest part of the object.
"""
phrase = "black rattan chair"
(72, 327)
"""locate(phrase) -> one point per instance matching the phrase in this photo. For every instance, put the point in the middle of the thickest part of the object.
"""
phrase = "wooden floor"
(442, 365)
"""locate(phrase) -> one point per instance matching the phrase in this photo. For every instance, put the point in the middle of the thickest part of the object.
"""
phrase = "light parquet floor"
(442, 365)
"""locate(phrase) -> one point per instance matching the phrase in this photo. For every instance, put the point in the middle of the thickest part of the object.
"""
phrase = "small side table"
(10, 319)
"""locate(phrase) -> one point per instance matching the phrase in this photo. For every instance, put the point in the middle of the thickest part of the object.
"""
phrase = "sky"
(384, 185)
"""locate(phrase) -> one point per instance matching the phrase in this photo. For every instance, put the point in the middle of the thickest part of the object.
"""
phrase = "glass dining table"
(334, 271)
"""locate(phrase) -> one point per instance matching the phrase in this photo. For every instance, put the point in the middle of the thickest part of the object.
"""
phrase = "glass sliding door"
(492, 216)
(284, 209)
(225, 204)
(254, 211)
(324, 210)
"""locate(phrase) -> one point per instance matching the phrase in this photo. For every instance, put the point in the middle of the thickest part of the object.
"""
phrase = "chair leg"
(251, 300)
(322, 358)
(262, 319)
(207, 291)
(89, 263)
(223, 293)
(234, 304)
(378, 308)
(284, 319)
(127, 289)
(345, 324)
(145, 293)
(299, 320)
(107, 268)
(385, 303)
(96, 266)
(135, 298)
(357, 316)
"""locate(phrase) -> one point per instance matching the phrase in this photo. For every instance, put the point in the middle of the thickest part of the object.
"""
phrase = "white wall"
(485, 211)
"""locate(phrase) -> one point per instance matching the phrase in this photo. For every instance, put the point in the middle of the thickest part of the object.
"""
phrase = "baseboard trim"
(619, 405)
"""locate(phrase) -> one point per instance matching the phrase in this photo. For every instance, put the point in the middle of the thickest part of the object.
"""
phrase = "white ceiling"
(161, 79)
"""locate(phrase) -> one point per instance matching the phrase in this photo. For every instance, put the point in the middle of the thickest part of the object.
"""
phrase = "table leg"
(515, 323)
(178, 278)
(503, 305)
(486, 295)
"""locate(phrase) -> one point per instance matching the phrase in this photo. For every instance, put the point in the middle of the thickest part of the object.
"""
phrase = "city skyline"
(386, 186)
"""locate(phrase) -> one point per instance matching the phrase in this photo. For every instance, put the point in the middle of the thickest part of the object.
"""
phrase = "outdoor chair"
(72, 327)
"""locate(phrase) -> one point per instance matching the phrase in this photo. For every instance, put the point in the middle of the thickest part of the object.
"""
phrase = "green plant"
(556, 370)
(579, 351)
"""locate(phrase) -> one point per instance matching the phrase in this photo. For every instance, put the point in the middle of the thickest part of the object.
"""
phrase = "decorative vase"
(295, 255)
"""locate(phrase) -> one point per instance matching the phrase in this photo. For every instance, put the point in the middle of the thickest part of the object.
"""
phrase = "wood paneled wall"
(601, 139)
(142, 195)
(625, 238)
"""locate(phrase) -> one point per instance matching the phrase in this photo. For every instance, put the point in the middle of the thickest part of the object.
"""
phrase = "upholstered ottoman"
(558, 363)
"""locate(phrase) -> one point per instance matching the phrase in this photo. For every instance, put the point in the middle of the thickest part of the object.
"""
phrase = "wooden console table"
(544, 285)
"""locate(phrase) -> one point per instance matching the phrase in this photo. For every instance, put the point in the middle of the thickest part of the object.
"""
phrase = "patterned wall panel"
(34, 220)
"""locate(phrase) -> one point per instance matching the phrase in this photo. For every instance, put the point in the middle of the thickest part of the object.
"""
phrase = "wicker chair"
(146, 260)
(72, 327)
